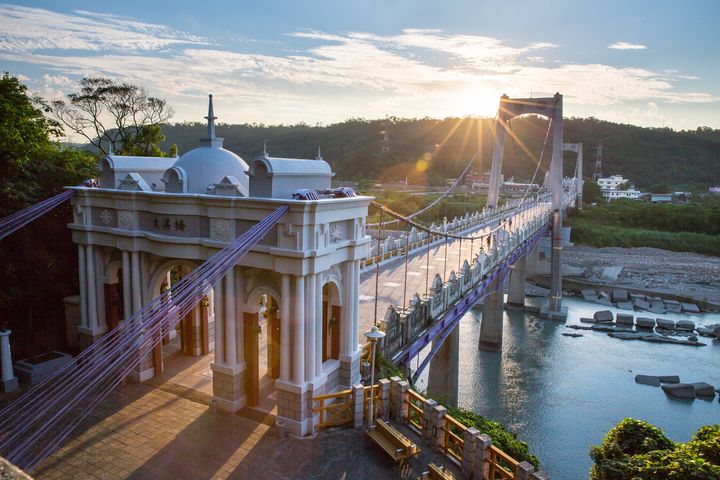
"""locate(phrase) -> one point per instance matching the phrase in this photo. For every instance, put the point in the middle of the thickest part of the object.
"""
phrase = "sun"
(478, 101)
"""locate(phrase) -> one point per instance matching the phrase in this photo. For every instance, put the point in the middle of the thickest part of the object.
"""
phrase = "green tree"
(591, 192)
(40, 260)
(638, 450)
(114, 116)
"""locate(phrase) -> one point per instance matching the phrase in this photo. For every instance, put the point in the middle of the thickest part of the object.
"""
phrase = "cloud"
(321, 76)
(26, 29)
(626, 46)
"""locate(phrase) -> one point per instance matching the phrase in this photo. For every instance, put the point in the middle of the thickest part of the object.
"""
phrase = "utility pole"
(598, 162)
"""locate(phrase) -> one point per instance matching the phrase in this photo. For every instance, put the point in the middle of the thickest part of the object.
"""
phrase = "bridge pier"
(491, 324)
(443, 374)
(516, 291)
(532, 257)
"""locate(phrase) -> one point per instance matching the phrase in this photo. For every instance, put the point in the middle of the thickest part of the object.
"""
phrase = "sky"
(645, 62)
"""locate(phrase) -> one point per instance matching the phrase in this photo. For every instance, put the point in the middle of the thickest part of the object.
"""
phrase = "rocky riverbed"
(649, 268)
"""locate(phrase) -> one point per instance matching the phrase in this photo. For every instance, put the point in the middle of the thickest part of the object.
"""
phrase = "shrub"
(501, 438)
(638, 450)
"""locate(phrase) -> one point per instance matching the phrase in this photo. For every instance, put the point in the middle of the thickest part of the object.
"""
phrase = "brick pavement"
(145, 433)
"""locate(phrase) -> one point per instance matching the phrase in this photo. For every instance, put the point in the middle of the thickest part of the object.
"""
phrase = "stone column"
(82, 270)
(310, 346)
(358, 399)
(427, 433)
(298, 321)
(318, 327)
(285, 328)
(230, 320)
(491, 325)
(136, 285)
(239, 301)
(9, 381)
(349, 347)
(127, 293)
(516, 292)
(219, 312)
(91, 287)
(385, 395)
(469, 445)
(228, 375)
(482, 453)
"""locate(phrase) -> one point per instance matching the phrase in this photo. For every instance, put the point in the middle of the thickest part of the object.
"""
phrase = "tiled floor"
(141, 432)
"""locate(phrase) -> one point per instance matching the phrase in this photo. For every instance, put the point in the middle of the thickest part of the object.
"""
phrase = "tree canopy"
(638, 450)
(117, 117)
(39, 261)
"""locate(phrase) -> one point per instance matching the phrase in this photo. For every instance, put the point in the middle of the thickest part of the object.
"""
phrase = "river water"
(562, 394)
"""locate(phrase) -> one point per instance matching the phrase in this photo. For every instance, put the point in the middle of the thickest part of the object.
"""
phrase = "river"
(562, 394)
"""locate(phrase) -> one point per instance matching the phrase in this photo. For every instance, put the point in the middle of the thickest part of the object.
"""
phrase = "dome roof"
(207, 165)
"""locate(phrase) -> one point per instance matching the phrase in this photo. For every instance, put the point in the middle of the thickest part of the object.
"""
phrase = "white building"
(612, 182)
(609, 187)
(151, 216)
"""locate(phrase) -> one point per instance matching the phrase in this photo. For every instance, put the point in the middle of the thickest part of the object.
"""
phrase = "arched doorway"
(331, 310)
(190, 335)
(261, 346)
(114, 302)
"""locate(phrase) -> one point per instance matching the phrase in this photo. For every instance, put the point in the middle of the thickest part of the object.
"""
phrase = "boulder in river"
(685, 325)
(690, 308)
(673, 308)
(589, 294)
(657, 307)
(619, 295)
(709, 330)
(648, 380)
(624, 319)
(645, 322)
(680, 390)
(669, 379)
(625, 305)
(603, 316)
(641, 304)
(665, 323)
(703, 389)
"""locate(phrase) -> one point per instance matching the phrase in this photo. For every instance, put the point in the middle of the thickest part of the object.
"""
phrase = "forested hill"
(685, 159)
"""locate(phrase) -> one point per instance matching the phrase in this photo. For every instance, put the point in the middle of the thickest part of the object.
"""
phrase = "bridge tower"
(577, 148)
(551, 108)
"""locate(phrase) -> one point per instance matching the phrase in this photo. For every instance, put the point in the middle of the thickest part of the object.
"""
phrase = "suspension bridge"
(271, 243)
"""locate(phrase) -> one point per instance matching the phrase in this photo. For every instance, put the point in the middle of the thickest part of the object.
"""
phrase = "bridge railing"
(403, 324)
(334, 409)
(395, 244)
(465, 446)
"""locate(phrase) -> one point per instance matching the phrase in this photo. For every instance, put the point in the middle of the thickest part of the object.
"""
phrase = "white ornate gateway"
(153, 216)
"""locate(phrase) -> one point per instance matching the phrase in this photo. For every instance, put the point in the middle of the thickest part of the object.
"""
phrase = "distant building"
(612, 194)
(612, 182)
(609, 187)
(475, 179)
(714, 190)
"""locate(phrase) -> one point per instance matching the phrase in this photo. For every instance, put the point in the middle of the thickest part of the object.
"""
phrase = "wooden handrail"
(341, 393)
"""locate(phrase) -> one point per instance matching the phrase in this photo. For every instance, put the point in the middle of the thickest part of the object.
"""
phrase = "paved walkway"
(142, 432)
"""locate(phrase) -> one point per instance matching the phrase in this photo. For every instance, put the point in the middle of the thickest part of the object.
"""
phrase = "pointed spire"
(319, 154)
(211, 120)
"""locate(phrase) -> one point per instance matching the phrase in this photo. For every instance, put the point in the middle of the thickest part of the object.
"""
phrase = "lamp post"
(374, 334)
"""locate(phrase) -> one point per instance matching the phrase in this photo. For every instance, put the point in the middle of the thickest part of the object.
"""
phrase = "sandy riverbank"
(681, 273)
